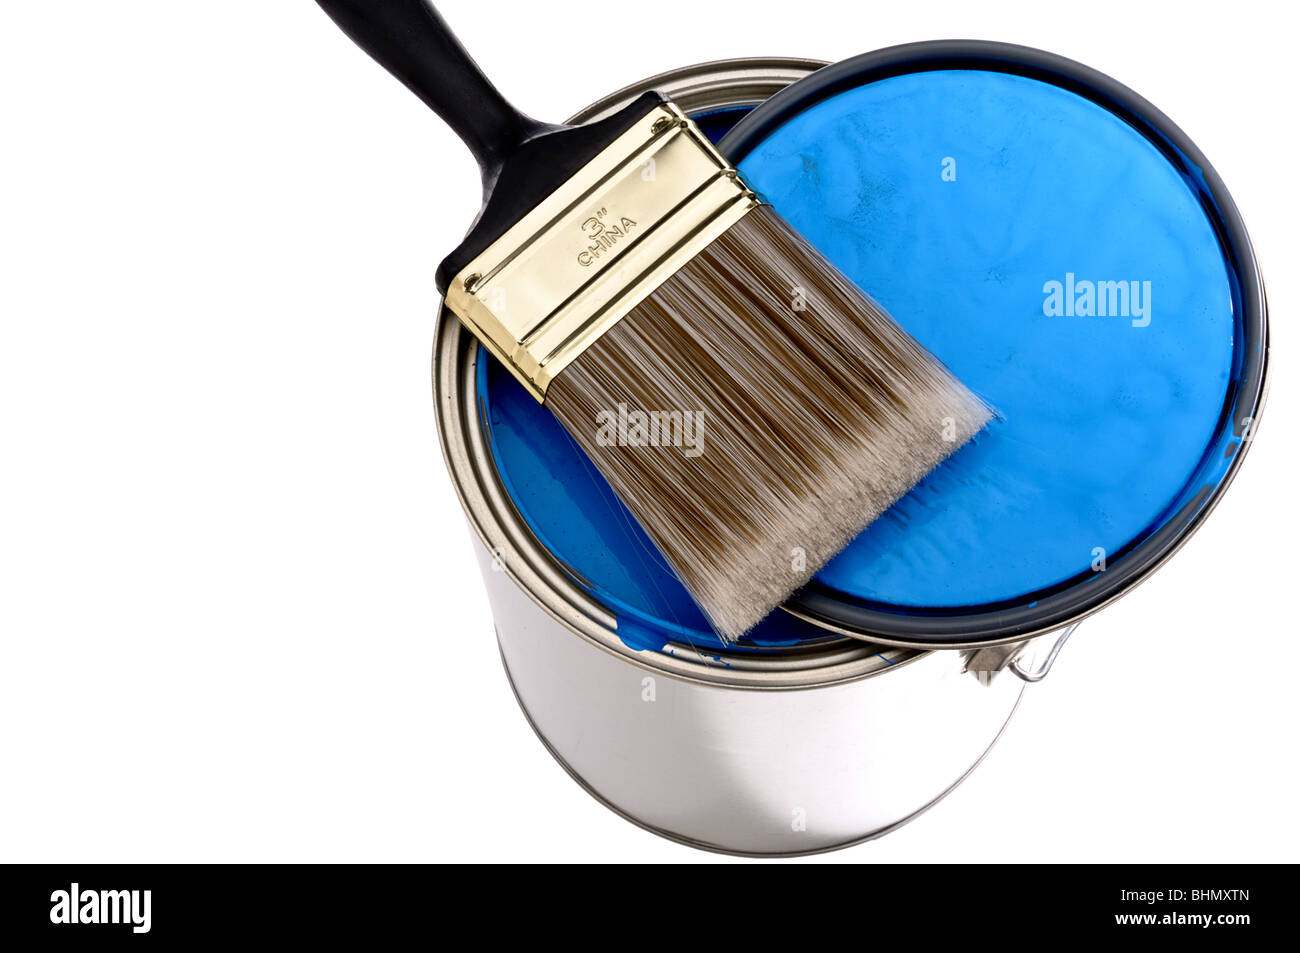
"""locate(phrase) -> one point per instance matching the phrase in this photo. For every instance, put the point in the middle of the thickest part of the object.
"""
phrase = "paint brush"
(751, 407)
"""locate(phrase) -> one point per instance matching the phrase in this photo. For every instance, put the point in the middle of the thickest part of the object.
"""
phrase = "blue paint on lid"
(955, 198)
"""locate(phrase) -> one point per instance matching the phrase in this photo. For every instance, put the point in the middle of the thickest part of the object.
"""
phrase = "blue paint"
(1100, 422)
(1104, 430)
(718, 123)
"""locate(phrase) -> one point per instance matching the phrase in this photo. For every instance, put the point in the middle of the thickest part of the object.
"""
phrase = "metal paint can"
(851, 712)
(778, 749)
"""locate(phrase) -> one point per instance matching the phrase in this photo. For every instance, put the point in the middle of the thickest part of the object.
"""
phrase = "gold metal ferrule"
(567, 271)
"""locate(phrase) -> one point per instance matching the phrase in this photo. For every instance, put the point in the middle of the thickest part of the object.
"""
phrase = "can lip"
(716, 85)
(1069, 603)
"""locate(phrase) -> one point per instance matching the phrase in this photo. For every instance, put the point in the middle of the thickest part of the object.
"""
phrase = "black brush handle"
(522, 160)
(410, 39)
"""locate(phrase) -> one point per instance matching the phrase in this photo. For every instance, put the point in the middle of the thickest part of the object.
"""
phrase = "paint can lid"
(1073, 258)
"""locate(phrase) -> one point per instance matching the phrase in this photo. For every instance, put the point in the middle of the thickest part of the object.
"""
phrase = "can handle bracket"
(987, 662)
(1040, 673)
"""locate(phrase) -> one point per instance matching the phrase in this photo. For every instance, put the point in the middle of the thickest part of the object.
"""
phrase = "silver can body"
(786, 751)
(747, 771)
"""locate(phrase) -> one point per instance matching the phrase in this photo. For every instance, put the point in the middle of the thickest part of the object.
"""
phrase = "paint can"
(836, 721)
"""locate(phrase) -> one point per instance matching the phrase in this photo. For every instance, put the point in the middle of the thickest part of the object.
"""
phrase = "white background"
(239, 619)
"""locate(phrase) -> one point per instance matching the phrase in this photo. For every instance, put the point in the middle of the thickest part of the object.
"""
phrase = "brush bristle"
(816, 410)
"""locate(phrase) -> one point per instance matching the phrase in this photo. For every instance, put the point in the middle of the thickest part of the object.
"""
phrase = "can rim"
(719, 84)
